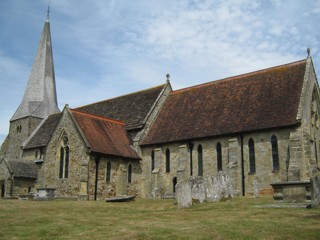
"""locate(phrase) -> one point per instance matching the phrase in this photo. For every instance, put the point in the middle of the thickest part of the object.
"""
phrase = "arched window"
(152, 160)
(275, 154)
(219, 157)
(66, 164)
(167, 160)
(108, 172)
(174, 183)
(129, 173)
(64, 159)
(200, 161)
(252, 158)
(61, 162)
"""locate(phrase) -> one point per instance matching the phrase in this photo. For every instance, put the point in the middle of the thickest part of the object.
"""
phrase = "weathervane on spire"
(48, 11)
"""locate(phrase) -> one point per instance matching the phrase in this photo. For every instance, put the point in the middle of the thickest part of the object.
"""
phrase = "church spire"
(48, 11)
(40, 97)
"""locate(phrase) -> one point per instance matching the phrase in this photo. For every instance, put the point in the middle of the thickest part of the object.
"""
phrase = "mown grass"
(241, 218)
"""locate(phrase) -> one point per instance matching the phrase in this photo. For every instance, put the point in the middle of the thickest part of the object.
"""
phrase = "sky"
(107, 48)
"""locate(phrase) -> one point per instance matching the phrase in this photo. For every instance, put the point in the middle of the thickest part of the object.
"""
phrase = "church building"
(258, 128)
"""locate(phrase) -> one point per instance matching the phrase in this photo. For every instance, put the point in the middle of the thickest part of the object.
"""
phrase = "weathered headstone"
(183, 194)
(203, 189)
(255, 188)
(315, 192)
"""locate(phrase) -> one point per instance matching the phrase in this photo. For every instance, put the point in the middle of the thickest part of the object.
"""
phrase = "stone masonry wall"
(304, 141)
(231, 161)
(78, 156)
(19, 131)
(118, 184)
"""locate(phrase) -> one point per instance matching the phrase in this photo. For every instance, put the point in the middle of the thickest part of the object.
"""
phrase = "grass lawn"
(240, 218)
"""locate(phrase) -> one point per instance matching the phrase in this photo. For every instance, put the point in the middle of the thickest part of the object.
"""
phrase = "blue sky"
(107, 48)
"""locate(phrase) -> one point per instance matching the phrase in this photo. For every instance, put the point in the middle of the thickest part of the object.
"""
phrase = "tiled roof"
(105, 135)
(131, 109)
(24, 169)
(259, 100)
(42, 135)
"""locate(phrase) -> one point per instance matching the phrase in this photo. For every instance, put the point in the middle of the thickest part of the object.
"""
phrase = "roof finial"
(48, 11)
(168, 77)
(309, 52)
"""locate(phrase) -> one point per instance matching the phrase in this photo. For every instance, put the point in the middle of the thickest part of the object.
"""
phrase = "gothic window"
(152, 160)
(174, 183)
(219, 157)
(129, 173)
(315, 127)
(167, 160)
(275, 153)
(252, 158)
(108, 172)
(64, 159)
(200, 161)
(19, 128)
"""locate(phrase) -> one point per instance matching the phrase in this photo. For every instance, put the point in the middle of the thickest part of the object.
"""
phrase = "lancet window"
(64, 158)
(252, 157)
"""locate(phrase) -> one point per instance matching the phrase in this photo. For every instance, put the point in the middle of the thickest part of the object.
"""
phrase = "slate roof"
(23, 169)
(131, 109)
(42, 135)
(259, 100)
(105, 135)
(40, 96)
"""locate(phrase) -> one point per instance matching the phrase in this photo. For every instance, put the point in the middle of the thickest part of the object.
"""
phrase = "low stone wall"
(203, 189)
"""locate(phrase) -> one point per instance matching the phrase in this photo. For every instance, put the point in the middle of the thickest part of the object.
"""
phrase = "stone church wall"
(118, 184)
(19, 131)
(304, 141)
(231, 161)
(70, 186)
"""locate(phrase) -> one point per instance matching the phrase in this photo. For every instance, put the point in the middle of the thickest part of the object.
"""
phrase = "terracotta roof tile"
(264, 99)
(107, 136)
(131, 109)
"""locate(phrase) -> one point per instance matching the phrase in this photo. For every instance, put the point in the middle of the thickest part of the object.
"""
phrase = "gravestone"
(315, 192)
(203, 189)
(255, 188)
(183, 194)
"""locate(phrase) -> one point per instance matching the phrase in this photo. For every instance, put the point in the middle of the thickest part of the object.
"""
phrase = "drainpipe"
(191, 165)
(97, 160)
(242, 167)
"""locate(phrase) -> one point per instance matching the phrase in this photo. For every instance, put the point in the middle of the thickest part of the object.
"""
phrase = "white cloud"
(12, 72)
(107, 48)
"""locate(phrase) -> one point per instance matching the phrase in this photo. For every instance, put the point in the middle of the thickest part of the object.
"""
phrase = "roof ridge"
(238, 76)
(128, 94)
(98, 116)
